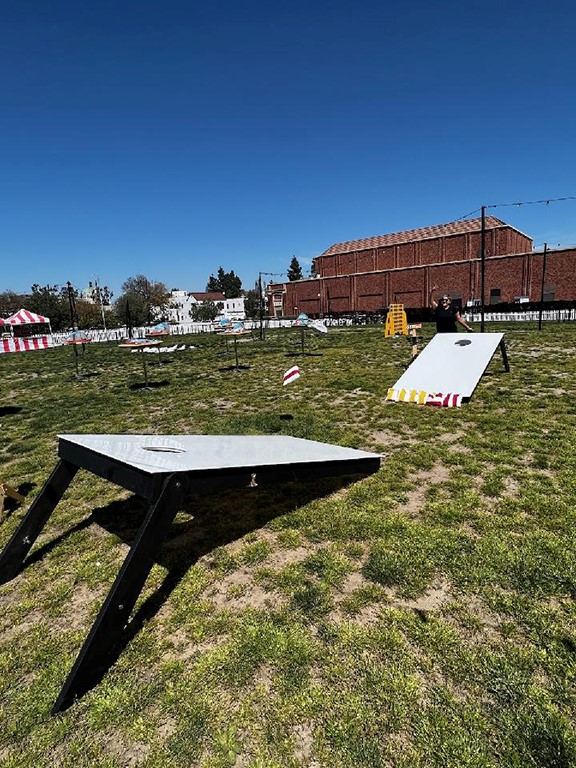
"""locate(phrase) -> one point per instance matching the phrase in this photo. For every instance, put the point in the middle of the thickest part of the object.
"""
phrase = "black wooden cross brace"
(99, 646)
(165, 490)
(502, 346)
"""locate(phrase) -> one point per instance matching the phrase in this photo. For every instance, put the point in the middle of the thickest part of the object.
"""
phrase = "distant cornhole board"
(450, 365)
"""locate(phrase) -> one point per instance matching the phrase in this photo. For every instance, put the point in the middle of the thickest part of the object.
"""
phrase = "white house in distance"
(182, 303)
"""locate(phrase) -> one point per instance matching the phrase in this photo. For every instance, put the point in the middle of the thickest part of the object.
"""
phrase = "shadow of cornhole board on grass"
(453, 362)
(163, 469)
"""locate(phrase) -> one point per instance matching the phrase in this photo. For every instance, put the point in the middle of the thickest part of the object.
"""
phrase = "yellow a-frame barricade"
(396, 322)
(397, 325)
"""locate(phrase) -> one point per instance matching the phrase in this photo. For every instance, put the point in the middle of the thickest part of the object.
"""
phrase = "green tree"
(148, 300)
(225, 282)
(205, 312)
(132, 308)
(101, 294)
(11, 302)
(252, 303)
(88, 315)
(294, 270)
(52, 302)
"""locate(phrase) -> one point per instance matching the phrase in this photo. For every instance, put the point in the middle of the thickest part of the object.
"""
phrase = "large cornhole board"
(163, 469)
(452, 362)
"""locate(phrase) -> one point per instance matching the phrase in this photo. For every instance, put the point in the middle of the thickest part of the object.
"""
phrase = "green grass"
(423, 617)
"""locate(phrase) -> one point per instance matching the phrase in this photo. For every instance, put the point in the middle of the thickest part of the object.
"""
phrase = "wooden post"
(6, 491)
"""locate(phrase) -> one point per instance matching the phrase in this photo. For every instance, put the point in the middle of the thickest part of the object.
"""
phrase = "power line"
(531, 202)
(518, 204)
(468, 214)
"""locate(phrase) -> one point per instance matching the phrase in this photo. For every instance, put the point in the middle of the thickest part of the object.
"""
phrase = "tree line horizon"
(142, 301)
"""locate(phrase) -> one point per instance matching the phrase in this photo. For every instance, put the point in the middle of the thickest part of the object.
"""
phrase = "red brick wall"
(454, 279)
(386, 257)
(366, 260)
(560, 273)
(406, 255)
(516, 242)
(346, 264)
(407, 287)
(475, 245)
(338, 295)
(515, 275)
(327, 265)
(301, 295)
(455, 248)
(505, 274)
(370, 292)
(430, 251)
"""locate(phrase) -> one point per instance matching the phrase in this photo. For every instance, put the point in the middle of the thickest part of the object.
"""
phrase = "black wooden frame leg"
(36, 518)
(502, 346)
(99, 647)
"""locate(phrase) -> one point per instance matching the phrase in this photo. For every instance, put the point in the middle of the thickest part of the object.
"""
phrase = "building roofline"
(418, 235)
(432, 264)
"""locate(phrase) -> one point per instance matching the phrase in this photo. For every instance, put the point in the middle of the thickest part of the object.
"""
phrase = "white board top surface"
(451, 363)
(188, 453)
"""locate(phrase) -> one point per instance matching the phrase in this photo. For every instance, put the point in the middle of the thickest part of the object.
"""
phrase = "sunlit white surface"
(451, 362)
(185, 453)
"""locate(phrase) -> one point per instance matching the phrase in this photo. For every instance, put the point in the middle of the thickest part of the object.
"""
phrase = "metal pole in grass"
(542, 287)
(236, 353)
(145, 369)
(261, 302)
(128, 319)
(73, 323)
(100, 299)
(261, 293)
(482, 266)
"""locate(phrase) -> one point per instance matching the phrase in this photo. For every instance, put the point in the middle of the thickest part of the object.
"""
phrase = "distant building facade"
(182, 304)
(401, 268)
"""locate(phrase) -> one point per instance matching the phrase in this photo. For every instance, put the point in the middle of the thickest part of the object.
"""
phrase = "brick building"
(370, 274)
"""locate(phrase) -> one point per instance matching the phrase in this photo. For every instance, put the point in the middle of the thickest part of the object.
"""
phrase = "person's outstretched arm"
(432, 295)
(463, 323)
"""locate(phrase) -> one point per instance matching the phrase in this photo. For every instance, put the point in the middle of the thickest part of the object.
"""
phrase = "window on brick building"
(549, 292)
(495, 295)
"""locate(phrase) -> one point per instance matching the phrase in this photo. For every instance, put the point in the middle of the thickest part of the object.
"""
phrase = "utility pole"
(98, 292)
(72, 305)
(482, 266)
(260, 292)
(261, 305)
(542, 287)
(73, 322)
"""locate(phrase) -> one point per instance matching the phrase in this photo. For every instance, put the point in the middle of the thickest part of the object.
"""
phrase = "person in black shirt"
(446, 314)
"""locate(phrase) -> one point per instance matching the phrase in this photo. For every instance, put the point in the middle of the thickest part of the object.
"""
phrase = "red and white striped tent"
(25, 317)
(25, 344)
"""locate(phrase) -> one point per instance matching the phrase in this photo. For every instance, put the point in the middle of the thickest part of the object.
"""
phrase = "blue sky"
(170, 138)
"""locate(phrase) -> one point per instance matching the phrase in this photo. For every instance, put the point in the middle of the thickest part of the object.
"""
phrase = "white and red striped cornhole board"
(25, 345)
(451, 363)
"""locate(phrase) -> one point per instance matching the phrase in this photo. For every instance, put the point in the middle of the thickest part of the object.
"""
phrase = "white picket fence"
(182, 329)
(557, 315)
